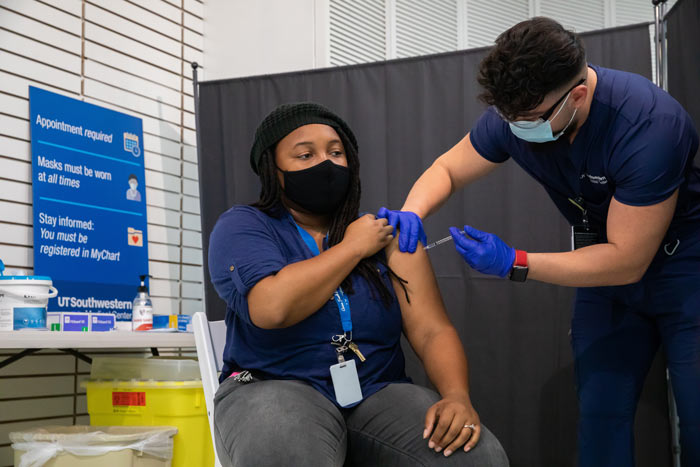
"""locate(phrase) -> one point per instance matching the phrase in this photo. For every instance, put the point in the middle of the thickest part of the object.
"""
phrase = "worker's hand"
(410, 228)
(367, 235)
(486, 252)
(450, 423)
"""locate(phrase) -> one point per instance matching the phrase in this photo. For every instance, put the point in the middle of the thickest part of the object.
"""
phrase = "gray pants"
(289, 423)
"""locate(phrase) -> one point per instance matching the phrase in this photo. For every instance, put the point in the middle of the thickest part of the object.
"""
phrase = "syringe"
(441, 241)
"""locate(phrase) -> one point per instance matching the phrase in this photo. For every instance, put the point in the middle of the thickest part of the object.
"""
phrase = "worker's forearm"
(430, 191)
(445, 363)
(593, 266)
(300, 289)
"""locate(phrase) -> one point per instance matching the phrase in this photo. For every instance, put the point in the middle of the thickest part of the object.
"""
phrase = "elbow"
(268, 317)
(634, 278)
(626, 280)
(634, 275)
(628, 266)
(266, 309)
(441, 337)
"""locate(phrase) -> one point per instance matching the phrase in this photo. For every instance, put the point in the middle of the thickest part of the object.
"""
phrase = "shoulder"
(242, 216)
(640, 118)
(491, 121)
(242, 222)
(490, 136)
(634, 100)
(651, 159)
(661, 134)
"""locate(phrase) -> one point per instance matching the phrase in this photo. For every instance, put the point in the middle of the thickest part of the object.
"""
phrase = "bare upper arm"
(639, 230)
(425, 314)
(464, 164)
(259, 300)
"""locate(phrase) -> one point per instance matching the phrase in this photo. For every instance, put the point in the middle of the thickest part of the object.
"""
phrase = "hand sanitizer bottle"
(142, 310)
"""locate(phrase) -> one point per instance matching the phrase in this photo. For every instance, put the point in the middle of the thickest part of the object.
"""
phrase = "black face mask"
(320, 189)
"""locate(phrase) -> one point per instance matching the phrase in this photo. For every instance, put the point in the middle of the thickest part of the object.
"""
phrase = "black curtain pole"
(200, 166)
(660, 43)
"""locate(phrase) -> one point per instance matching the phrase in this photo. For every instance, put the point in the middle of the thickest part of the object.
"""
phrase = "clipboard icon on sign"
(134, 237)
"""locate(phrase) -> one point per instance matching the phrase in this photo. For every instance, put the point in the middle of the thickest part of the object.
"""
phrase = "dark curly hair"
(530, 60)
(270, 202)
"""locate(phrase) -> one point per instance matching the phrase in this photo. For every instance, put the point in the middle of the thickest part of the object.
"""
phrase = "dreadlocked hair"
(270, 202)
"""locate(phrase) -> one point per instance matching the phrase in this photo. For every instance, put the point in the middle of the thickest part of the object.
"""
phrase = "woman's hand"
(446, 421)
(367, 235)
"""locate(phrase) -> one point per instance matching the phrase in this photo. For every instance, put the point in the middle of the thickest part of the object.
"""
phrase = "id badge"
(582, 237)
(346, 383)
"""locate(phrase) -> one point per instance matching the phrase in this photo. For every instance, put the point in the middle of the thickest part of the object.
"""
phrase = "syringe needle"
(440, 242)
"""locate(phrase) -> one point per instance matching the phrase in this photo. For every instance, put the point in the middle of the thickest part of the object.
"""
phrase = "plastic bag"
(43, 444)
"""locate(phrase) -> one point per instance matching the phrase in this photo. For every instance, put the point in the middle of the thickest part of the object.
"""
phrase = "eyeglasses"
(548, 113)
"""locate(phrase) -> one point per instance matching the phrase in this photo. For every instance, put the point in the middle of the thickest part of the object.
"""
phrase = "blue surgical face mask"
(539, 131)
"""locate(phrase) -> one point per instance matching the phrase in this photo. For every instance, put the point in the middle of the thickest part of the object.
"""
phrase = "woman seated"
(313, 368)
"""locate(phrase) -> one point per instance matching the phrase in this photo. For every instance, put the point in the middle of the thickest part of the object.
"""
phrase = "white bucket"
(23, 301)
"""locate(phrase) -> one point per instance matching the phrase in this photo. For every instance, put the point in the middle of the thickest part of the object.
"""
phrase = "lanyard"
(339, 296)
(581, 204)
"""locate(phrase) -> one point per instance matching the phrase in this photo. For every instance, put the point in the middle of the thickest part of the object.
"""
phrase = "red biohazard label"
(129, 398)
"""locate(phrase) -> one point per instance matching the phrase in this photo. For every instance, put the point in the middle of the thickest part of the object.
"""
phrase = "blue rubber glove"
(410, 228)
(486, 253)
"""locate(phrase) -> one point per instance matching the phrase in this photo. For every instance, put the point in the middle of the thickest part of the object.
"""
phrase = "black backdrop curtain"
(405, 113)
(683, 33)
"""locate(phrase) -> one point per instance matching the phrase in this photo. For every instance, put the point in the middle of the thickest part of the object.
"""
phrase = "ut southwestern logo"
(595, 179)
(131, 144)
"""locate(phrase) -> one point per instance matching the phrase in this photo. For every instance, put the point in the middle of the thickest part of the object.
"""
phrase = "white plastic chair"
(210, 339)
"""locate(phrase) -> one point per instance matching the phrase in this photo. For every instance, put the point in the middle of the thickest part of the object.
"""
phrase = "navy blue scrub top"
(246, 246)
(637, 144)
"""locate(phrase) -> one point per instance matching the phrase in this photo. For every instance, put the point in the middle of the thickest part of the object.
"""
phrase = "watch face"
(518, 273)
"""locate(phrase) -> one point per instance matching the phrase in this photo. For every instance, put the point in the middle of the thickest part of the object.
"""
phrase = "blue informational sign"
(89, 203)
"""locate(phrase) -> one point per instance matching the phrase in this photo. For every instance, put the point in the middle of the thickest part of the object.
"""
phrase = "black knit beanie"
(287, 118)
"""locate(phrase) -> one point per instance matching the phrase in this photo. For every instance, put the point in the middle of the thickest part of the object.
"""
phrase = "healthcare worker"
(615, 154)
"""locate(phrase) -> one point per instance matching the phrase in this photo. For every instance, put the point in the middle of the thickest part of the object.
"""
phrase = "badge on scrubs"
(346, 383)
(583, 236)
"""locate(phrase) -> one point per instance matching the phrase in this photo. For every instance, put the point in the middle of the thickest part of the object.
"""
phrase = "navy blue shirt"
(246, 246)
(637, 144)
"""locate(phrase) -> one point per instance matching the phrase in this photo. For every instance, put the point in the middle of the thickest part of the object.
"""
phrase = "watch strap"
(520, 267)
(520, 258)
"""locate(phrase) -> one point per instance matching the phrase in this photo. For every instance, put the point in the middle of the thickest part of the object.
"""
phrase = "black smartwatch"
(520, 269)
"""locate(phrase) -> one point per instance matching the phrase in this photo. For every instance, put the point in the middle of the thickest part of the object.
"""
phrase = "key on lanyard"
(343, 342)
(356, 349)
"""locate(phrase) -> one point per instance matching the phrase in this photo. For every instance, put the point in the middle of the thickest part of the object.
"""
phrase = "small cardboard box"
(164, 321)
(184, 323)
(74, 321)
(101, 322)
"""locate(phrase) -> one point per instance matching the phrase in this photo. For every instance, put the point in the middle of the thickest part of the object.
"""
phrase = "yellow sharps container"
(153, 392)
